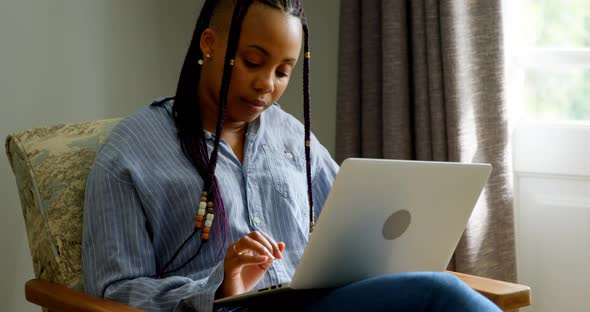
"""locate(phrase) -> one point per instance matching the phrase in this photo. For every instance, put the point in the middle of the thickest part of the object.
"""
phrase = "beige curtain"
(423, 79)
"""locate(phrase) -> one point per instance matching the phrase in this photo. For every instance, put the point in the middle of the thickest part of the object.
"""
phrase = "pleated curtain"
(424, 80)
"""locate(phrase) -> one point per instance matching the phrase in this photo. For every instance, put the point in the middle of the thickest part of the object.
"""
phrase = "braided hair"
(188, 120)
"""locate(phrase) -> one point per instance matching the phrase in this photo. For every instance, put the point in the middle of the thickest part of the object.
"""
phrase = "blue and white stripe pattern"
(142, 197)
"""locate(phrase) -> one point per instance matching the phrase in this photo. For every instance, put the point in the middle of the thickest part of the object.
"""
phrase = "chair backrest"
(51, 166)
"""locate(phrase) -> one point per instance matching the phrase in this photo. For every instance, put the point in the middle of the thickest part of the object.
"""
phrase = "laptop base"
(283, 299)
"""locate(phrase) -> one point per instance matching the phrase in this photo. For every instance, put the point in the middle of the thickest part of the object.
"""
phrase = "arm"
(118, 255)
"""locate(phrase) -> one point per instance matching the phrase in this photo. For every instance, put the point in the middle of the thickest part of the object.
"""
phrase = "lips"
(258, 102)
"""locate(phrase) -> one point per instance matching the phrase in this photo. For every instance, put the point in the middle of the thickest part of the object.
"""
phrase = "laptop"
(383, 217)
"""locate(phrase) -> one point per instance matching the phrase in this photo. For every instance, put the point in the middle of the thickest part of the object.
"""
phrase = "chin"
(251, 118)
(247, 116)
(241, 117)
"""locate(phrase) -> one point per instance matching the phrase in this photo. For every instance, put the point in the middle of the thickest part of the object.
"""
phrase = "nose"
(264, 82)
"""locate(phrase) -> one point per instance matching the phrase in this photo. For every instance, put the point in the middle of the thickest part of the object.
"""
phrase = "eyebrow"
(266, 53)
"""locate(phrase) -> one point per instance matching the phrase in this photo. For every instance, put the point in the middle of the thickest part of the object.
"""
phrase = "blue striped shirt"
(142, 197)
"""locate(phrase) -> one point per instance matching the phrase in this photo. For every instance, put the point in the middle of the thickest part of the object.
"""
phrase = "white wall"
(73, 60)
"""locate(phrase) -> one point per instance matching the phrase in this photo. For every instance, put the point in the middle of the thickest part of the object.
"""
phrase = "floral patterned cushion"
(51, 166)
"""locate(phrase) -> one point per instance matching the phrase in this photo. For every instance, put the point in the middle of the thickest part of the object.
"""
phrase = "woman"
(210, 193)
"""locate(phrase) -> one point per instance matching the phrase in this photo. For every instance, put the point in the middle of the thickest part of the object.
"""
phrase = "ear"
(208, 38)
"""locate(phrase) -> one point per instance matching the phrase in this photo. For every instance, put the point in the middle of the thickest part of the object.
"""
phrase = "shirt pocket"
(287, 170)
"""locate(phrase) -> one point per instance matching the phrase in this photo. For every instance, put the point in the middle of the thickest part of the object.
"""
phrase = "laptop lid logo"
(396, 224)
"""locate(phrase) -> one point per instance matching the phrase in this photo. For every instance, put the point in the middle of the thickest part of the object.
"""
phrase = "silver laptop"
(383, 217)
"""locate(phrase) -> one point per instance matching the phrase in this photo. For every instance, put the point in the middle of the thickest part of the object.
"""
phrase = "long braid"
(307, 120)
(189, 124)
(187, 116)
(240, 11)
(296, 9)
(233, 40)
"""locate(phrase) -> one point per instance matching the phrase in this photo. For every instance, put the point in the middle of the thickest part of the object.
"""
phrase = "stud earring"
(200, 61)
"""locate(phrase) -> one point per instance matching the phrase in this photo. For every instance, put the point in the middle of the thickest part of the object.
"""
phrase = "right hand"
(246, 261)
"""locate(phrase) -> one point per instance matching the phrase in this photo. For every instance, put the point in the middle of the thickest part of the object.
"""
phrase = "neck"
(234, 133)
(209, 114)
(230, 128)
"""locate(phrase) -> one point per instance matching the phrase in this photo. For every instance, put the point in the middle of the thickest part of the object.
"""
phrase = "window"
(548, 71)
(548, 58)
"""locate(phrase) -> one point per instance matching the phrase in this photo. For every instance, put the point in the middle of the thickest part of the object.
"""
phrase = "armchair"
(51, 165)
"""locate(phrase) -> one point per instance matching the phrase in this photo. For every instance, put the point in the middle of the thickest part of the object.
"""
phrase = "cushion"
(51, 166)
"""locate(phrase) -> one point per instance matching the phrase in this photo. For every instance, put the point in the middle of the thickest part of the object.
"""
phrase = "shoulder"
(155, 117)
(284, 129)
(282, 125)
(137, 132)
(278, 121)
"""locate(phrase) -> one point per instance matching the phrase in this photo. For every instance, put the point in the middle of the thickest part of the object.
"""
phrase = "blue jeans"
(420, 291)
(423, 291)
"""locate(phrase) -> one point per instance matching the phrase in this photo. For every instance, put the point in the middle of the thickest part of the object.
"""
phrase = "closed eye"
(251, 64)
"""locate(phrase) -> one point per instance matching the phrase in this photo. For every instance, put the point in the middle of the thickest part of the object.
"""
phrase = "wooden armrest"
(56, 297)
(507, 296)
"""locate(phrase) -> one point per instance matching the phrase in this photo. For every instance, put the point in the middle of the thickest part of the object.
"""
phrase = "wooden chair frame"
(54, 297)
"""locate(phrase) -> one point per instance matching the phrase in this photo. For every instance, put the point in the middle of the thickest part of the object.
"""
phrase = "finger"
(275, 247)
(244, 246)
(249, 243)
(281, 246)
(238, 249)
(251, 259)
(266, 265)
(259, 237)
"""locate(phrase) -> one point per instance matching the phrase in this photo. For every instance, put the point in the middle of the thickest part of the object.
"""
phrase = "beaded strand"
(205, 213)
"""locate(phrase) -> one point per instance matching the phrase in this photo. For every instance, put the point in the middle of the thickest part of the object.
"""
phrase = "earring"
(200, 61)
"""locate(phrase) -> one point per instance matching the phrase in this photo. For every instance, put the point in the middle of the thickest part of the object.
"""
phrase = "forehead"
(275, 31)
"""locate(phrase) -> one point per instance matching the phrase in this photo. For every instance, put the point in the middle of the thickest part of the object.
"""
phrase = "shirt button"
(257, 220)
(208, 135)
(289, 156)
